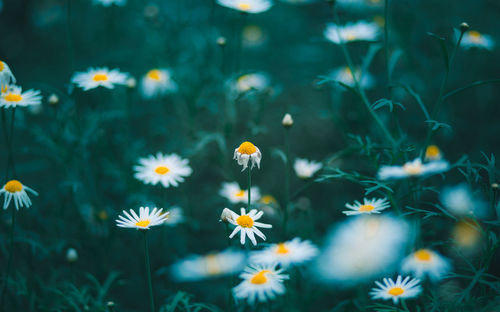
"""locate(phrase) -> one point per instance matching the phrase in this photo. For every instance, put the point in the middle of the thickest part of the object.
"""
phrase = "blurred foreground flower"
(257, 82)
(144, 220)
(17, 191)
(359, 31)
(401, 289)
(344, 75)
(247, 152)
(13, 96)
(432, 152)
(245, 223)
(99, 77)
(232, 192)
(369, 206)
(157, 82)
(305, 169)
(260, 282)
(6, 76)
(474, 39)
(360, 5)
(169, 170)
(413, 168)
(290, 253)
(108, 3)
(426, 262)
(460, 201)
(247, 6)
(175, 216)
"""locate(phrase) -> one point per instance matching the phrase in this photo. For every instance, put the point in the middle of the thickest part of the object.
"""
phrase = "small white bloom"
(233, 193)
(460, 201)
(407, 288)
(108, 3)
(426, 262)
(294, 252)
(261, 283)
(17, 191)
(287, 120)
(144, 220)
(247, 225)
(175, 216)
(344, 75)
(14, 96)
(71, 255)
(247, 6)
(169, 170)
(99, 77)
(360, 31)
(413, 168)
(474, 39)
(369, 206)
(305, 169)
(258, 82)
(6, 76)
(247, 152)
(157, 82)
(53, 99)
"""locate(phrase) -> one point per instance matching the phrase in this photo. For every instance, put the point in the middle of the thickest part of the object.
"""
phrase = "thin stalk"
(148, 272)
(11, 139)
(11, 257)
(287, 181)
(403, 302)
(249, 187)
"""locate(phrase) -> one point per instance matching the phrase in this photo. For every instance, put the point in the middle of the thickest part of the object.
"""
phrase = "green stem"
(403, 302)
(11, 139)
(9, 261)
(148, 272)
(287, 182)
(249, 188)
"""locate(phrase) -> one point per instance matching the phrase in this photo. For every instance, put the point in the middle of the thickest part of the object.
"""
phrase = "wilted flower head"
(71, 255)
(401, 289)
(413, 168)
(247, 152)
(359, 31)
(226, 215)
(426, 262)
(17, 192)
(247, 6)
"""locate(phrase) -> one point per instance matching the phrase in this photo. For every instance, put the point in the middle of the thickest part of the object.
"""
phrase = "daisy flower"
(369, 206)
(169, 170)
(247, 225)
(199, 267)
(157, 82)
(14, 96)
(251, 82)
(460, 201)
(235, 194)
(247, 6)
(467, 234)
(305, 169)
(260, 282)
(144, 220)
(432, 152)
(344, 75)
(6, 76)
(426, 262)
(413, 168)
(474, 39)
(108, 3)
(99, 77)
(360, 31)
(407, 288)
(294, 252)
(17, 191)
(175, 216)
(247, 152)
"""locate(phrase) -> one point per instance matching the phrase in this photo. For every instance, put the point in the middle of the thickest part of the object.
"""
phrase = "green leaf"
(444, 50)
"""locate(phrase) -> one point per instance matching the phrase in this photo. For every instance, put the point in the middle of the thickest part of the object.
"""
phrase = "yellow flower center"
(247, 148)
(12, 97)
(282, 250)
(241, 193)
(396, 291)
(350, 36)
(466, 233)
(102, 215)
(432, 152)
(366, 208)
(423, 255)
(244, 6)
(245, 221)
(475, 36)
(413, 169)
(100, 77)
(154, 74)
(13, 186)
(259, 278)
(162, 170)
(267, 199)
(2, 66)
(143, 223)
(212, 265)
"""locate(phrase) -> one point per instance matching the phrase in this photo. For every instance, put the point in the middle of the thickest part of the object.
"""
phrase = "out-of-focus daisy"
(16, 191)
(258, 82)
(247, 152)
(235, 194)
(169, 170)
(199, 267)
(253, 36)
(369, 206)
(247, 6)
(108, 3)
(99, 77)
(290, 253)
(360, 31)
(358, 5)
(175, 216)
(269, 205)
(305, 169)
(14, 96)
(460, 201)
(157, 82)
(432, 152)
(261, 283)
(299, 1)
(362, 248)
(413, 168)
(474, 39)
(467, 234)
(6, 76)
(426, 262)
(344, 75)
(247, 225)
(401, 289)
(144, 220)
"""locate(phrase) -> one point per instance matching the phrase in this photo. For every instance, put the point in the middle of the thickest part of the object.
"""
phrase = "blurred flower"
(344, 75)
(108, 3)
(71, 255)
(359, 31)
(6, 76)
(413, 168)
(460, 201)
(474, 39)
(13, 97)
(99, 77)
(407, 288)
(426, 262)
(305, 169)
(258, 82)
(246, 152)
(362, 248)
(151, 10)
(102, 215)
(360, 4)
(369, 206)
(253, 36)
(467, 233)
(157, 82)
(432, 152)
(245, 223)
(290, 253)
(269, 205)
(169, 170)
(196, 267)
(299, 1)
(14, 189)
(221, 41)
(235, 194)
(175, 216)
(53, 99)
(260, 282)
(247, 6)
(144, 220)
(131, 82)
(287, 121)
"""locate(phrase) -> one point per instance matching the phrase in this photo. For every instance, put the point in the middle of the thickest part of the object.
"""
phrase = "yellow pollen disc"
(350, 37)
(475, 36)
(396, 291)
(154, 74)
(259, 278)
(13, 186)
(423, 255)
(466, 233)
(2, 66)
(247, 148)
(162, 170)
(268, 199)
(12, 97)
(245, 221)
(244, 6)
(432, 152)
(212, 265)
(143, 223)
(102, 215)
(241, 193)
(100, 77)
(282, 250)
(412, 169)
(366, 208)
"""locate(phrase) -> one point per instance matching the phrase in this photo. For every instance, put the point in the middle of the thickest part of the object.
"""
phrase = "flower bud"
(226, 215)
(287, 121)
(131, 83)
(53, 99)
(464, 27)
(221, 41)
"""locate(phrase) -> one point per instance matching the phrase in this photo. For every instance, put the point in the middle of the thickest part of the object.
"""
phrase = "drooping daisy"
(6, 76)
(108, 3)
(247, 152)
(144, 220)
(235, 194)
(247, 6)
(261, 283)
(198, 267)
(17, 191)
(369, 206)
(432, 152)
(305, 169)
(247, 225)
(475, 39)
(290, 253)
(360, 31)
(99, 77)
(14, 96)
(175, 216)
(401, 289)
(426, 262)
(460, 201)
(344, 75)
(413, 168)
(169, 170)
(157, 82)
